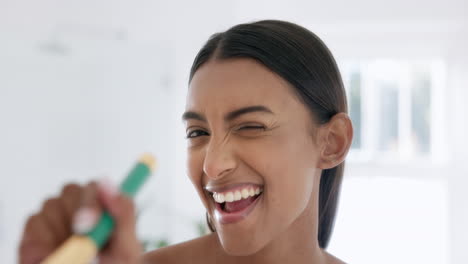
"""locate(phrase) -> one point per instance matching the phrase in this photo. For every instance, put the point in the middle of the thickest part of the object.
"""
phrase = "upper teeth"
(236, 195)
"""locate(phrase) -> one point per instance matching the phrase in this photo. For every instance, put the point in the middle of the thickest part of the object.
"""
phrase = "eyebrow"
(231, 115)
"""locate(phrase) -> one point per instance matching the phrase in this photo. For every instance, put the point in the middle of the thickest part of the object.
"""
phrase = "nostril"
(226, 171)
(216, 173)
(217, 163)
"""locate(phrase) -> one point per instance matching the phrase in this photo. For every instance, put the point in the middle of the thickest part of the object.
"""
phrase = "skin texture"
(284, 151)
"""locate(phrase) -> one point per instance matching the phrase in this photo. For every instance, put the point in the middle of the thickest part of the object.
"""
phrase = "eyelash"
(247, 127)
(196, 130)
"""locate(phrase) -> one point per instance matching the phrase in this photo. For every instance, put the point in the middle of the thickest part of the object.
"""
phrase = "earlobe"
(336, 139)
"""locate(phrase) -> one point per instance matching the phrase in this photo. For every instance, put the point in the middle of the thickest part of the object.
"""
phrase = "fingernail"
(108, 186)
(84, 220)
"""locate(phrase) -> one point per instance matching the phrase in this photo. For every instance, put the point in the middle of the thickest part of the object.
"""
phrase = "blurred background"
(87, 86)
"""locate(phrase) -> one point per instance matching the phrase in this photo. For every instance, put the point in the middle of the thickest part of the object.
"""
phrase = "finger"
(89, 210)
(120, 206)
(89, 198)
(71, 200)
(36, 230)
(55, 218)
(122, 209)
(36, 242)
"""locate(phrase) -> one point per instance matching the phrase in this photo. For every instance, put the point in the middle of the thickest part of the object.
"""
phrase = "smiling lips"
(235, 204)
(243, 193)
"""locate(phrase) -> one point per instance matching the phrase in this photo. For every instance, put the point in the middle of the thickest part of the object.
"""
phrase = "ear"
(335, 137)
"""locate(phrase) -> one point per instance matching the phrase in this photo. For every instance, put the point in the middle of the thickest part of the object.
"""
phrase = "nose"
(219, 160)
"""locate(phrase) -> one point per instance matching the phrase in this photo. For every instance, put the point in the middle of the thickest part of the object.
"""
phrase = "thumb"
(119, 205)
(123, 245)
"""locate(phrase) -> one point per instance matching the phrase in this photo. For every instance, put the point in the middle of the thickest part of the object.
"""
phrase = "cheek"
(281, 158)
(195, 158)
(287, 166)
(290, 185)
(289, 193)
(195, 171)
(193, 167)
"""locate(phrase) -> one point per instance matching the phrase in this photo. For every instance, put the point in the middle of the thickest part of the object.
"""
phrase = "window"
(392, 105)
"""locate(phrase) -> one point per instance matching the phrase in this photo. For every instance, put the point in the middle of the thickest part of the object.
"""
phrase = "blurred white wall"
(86, 86)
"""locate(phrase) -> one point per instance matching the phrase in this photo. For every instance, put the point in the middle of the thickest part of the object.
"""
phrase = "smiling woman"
(268, 132)
(267, 136)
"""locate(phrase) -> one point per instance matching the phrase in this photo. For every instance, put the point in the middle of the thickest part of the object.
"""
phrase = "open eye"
(196, 133)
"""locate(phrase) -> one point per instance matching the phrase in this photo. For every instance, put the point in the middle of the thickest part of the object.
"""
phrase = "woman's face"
(252, 155)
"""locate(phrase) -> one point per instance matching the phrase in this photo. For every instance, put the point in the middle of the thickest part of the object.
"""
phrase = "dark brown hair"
(302, 59)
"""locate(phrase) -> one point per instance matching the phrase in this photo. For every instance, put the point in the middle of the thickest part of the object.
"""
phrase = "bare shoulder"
(193, 251)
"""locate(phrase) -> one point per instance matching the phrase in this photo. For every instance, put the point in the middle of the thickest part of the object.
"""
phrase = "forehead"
(237, 83)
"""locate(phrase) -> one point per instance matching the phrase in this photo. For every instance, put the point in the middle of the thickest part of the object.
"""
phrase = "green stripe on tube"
(130, 186)
(135, 180)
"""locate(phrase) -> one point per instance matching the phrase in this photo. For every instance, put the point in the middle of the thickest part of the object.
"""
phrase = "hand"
(76, 210)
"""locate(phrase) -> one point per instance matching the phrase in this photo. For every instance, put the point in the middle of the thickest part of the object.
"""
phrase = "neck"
(297, 244)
